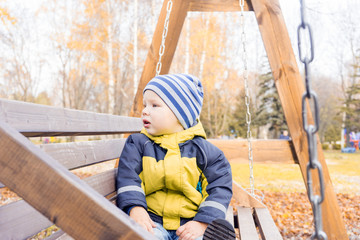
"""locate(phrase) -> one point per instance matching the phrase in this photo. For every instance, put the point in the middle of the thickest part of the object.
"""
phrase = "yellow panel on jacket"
(170, 184)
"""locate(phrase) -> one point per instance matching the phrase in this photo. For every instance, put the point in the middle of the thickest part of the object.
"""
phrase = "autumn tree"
(346, 47)
(21, 67)
(208, 63)
(5, 16)
(6, 19)
(92, 44)
(74, 84)
(91, 56)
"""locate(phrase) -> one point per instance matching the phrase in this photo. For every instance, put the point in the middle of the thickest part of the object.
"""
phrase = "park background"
(89, 55)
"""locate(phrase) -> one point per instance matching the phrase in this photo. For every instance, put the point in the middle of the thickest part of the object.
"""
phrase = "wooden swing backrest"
(40, 173)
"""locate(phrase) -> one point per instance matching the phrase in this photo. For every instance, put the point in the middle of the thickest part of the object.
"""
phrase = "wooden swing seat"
(53, 195)
(251, 217)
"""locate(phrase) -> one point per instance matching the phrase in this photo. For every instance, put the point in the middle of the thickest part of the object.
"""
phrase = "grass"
(344, 169)
(343, 163)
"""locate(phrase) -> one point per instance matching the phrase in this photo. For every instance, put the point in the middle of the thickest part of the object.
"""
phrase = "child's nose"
(145, 111)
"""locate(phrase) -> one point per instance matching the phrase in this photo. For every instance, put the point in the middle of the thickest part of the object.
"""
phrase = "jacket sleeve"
(128, 182)
(217, 172)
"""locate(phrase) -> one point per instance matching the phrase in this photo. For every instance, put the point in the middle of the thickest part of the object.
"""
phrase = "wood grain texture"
(63, 198)
(243, 198)
(19, 220)
(290, 89)
(21, 215)
(177, 18)
(218, 5)
(34, 120)
(75, 155)
(266, 225)
(80, 154)
(103, 183)
(230, 215)
(276, 151)
(247, 228)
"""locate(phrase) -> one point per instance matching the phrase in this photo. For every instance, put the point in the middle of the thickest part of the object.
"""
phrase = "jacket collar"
(174, 139)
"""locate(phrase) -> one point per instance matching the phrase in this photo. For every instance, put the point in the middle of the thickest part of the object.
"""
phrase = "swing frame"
(285, 72)
(55, 195)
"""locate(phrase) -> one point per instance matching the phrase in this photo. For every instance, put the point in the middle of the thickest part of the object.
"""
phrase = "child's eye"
(155, 105)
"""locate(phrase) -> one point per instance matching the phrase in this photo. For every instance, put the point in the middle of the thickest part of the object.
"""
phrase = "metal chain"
(247, 98)
(164, 34)
(311, 130)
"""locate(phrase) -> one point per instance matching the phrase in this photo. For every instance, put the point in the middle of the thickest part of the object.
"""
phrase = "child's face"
(157, 117)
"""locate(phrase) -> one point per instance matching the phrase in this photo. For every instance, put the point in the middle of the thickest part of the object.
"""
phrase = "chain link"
(164, 34)
(247, 98)
(311, 130)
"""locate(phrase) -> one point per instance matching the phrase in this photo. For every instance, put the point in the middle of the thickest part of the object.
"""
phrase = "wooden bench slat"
(19, 220)
(20, 215)
(230, 215)
(267, 227)
(80, 154)
(61, 197)
(247, 228)
(243, 198)
(264, 150)
(103, 183)
(34, 120)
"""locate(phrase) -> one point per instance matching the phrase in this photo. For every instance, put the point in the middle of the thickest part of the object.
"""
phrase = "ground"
(285, 195)
(284, 192)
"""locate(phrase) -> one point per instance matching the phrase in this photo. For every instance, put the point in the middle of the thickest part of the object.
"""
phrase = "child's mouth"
(146, 123)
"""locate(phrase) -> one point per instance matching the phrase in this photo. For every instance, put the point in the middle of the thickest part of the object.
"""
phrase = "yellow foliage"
(5, 17)
(89, 40)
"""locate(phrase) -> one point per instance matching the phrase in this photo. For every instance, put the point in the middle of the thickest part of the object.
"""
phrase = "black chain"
(311, 130)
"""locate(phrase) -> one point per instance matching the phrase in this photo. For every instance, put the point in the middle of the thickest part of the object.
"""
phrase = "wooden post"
(177, 18)
(290, 88)
(285, 71)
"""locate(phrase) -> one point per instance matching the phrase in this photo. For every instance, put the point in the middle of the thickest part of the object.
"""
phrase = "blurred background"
(89, 55)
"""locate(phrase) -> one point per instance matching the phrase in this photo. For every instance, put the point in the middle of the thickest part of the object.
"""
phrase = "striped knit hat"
(183, 93)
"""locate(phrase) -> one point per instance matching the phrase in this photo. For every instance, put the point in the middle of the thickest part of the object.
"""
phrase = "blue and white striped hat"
(183, 93)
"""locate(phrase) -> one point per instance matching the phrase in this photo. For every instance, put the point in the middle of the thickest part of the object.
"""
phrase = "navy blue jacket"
(177, 178)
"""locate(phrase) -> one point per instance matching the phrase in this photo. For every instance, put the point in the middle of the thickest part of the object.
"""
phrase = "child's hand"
(141, 216)
(191, 230)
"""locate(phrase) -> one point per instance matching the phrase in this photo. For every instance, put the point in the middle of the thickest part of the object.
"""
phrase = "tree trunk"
(109, 49)
(135, 60)
(187, 46)
(203, 53)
